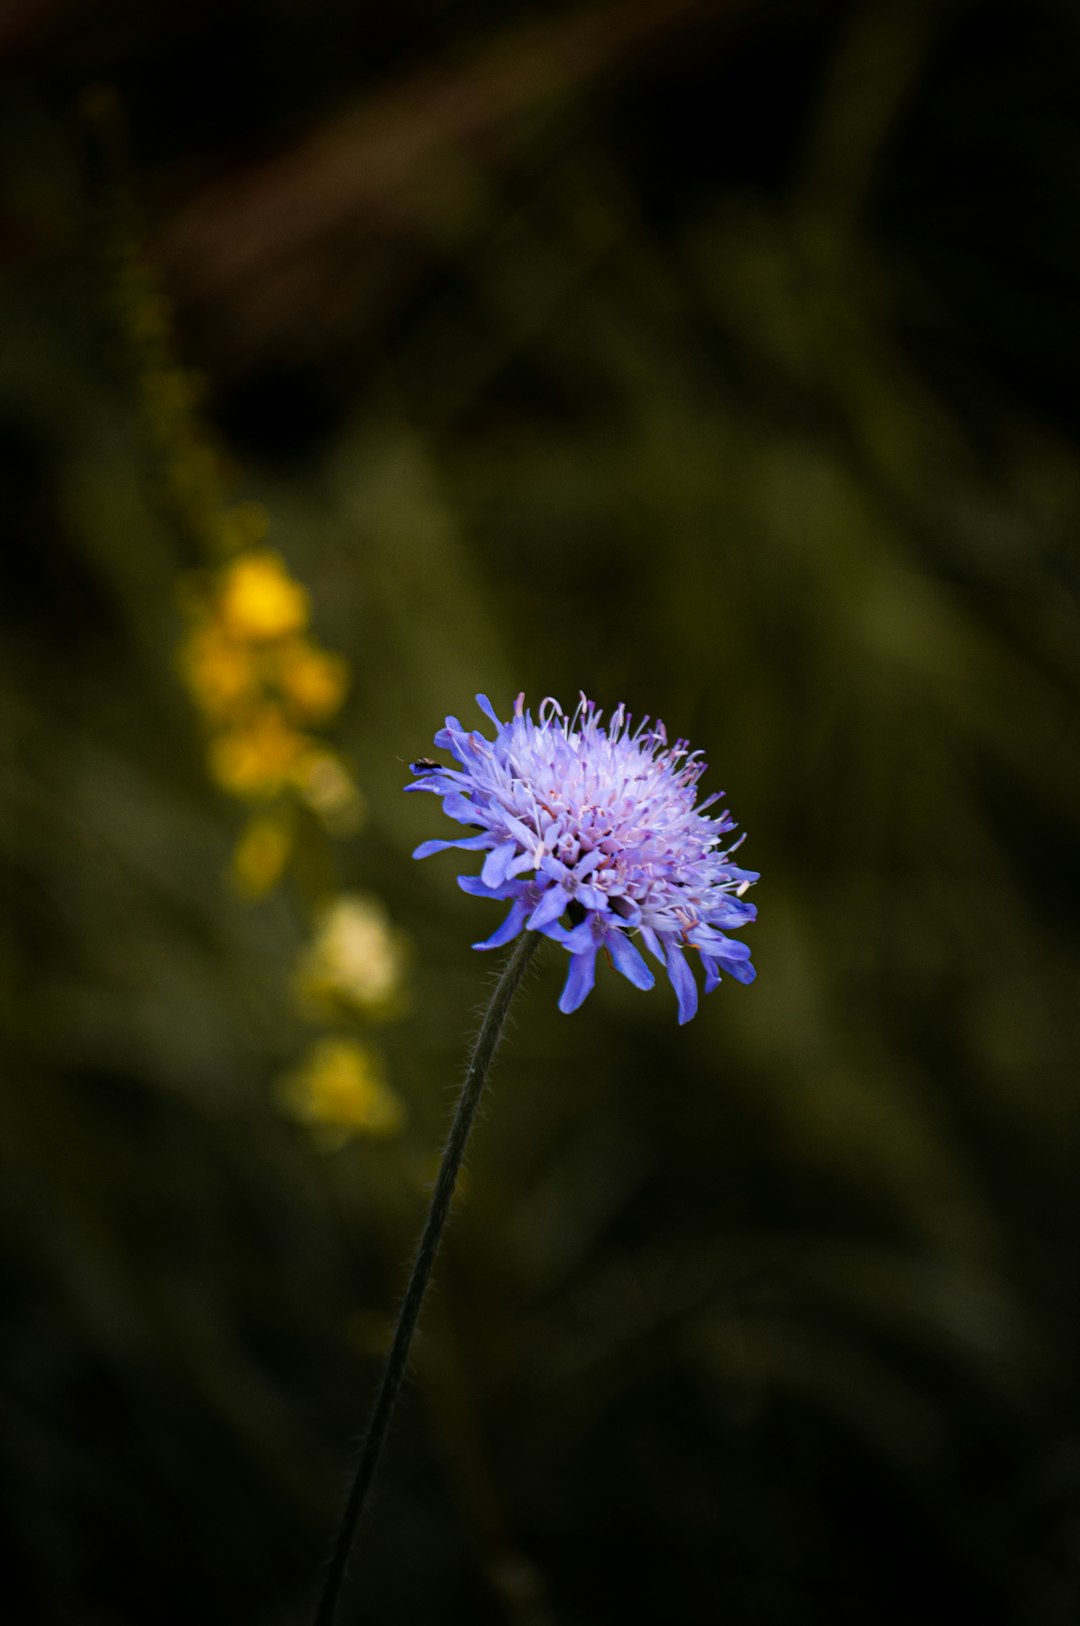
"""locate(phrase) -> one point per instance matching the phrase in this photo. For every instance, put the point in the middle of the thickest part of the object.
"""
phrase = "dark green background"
(720, 358)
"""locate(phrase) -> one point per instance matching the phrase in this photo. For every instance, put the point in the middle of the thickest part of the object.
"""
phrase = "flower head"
(594, 836)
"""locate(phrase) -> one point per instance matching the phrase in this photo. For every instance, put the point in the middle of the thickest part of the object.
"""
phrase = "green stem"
(487, 1042)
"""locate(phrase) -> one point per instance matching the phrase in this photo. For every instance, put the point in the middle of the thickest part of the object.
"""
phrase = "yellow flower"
(339, 1087)
(312, 680)
(222, 675)
(261, 853)
(356, 958)
(256, 759)
(258, 598)
(328, 788)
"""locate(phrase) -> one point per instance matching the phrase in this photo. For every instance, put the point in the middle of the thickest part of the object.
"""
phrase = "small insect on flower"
(594, 836)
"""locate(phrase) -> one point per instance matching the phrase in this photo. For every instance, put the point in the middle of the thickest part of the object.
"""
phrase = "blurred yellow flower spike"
(255, 760)
(258, 599)
(260, 856)
(356, 958)
(338, 1090)
(312, 681)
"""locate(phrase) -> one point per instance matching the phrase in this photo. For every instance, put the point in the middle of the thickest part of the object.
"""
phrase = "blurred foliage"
(717, 358)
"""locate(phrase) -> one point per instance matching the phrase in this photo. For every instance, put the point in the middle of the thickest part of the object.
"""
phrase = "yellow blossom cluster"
(262, 683)
(339, 1091)
(355, 960)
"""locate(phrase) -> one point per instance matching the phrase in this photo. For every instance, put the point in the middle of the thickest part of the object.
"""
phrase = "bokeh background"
(719, 357)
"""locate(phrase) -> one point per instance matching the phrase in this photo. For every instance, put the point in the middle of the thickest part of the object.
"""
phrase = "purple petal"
(459, 807)
(451, 738)
(586, 865)
(579, 939)
(497, 863)
(526, 837)
(579, 981)
(509, 928)
(472, 844)
(741, 970)
(711, 942)
(476, 888)
(712, 974)
(628, 960)
(488, 709)
(682, 980)
(732, 912)
(550, 907)
(591, 897)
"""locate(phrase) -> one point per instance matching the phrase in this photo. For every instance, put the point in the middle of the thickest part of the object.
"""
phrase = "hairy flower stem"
(487, 1042)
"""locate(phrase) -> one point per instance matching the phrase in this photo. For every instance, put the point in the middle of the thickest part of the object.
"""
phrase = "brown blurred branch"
(261, 249)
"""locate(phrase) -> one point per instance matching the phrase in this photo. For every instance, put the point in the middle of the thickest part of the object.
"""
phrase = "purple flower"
(594, 837)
